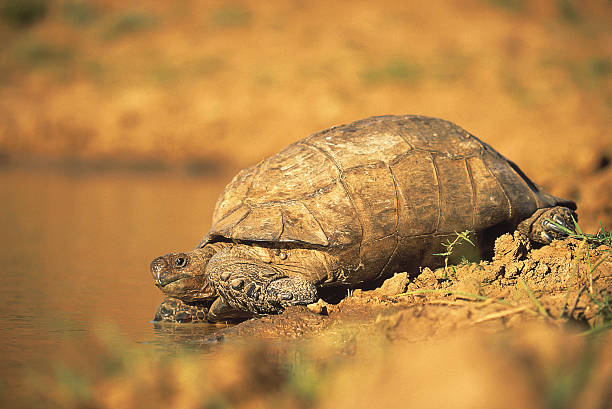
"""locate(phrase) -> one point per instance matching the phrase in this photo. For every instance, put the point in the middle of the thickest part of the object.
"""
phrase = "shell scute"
(373, 195)
(234, 193)
(301, 226)
(356, 145)
(260, 224)
(415, 175)
(297, 171)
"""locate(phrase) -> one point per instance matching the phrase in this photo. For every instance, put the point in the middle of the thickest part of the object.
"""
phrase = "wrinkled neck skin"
(183, 275)
(314, 265)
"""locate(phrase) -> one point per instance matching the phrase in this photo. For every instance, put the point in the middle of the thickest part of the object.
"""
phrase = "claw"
(556, 227)
(547, 237)
(562, 222)
(548, 224)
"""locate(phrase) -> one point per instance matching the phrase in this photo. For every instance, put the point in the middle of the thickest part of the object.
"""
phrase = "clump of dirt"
(568, 281)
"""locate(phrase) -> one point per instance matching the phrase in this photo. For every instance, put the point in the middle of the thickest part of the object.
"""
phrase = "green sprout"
(450, 247)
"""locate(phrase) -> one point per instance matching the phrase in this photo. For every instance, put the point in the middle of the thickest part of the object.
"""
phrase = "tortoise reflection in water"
(349, 207)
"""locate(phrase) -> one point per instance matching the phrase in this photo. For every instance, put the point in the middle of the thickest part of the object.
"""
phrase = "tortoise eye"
(180, 262)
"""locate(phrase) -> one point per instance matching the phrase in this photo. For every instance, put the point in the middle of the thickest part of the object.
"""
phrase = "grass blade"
(533, 298)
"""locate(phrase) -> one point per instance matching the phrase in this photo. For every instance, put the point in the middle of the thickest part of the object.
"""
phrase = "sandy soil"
(211, 87)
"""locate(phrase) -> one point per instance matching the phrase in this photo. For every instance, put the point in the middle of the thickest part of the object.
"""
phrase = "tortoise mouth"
(167, 279)
(186, 287)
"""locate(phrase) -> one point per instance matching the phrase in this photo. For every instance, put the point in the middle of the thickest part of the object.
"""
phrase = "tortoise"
(347, 208)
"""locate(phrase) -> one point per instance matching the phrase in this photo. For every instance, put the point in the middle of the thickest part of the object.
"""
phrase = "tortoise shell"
(383, 189)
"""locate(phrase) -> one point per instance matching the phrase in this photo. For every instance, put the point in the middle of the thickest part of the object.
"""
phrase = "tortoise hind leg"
(250, 285)
(292, 291)
(538, 227)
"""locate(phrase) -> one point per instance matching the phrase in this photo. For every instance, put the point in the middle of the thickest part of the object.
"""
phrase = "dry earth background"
(209, 87)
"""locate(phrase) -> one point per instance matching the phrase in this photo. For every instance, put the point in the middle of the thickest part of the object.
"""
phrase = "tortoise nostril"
(158, 267)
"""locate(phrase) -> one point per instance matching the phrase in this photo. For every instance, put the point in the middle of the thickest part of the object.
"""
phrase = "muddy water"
(74, 256)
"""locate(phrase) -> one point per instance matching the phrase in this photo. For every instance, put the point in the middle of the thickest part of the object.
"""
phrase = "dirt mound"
(568, 281)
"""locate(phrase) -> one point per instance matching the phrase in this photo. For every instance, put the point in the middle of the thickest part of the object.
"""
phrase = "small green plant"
(230, 16)
(39, 54)
(510, 5)
(450, 247)
(590, 73)
(130, 22)
(603, 301)
(79, 13)
(601, 297)
(396, 69)
(568, 11)
(23, 13)
(305, 381)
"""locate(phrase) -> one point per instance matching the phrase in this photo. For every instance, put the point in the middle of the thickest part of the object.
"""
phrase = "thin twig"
(501, 314)
(451, 292)
(485, 303)
(452, 303)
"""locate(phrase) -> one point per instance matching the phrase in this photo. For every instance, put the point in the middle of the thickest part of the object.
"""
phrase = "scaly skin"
(241, 280)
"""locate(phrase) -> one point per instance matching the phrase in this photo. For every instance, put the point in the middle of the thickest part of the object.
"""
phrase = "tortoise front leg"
(220, 311)
(257, 287)
(175, 310)
(538, 227)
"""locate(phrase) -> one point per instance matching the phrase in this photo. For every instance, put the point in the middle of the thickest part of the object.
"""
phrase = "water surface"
(75, 252)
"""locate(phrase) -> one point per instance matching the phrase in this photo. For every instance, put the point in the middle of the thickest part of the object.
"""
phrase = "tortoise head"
(183, 275)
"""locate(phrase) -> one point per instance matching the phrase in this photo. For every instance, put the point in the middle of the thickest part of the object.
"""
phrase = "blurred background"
(120, 123)
(214, 86)
(217, 84)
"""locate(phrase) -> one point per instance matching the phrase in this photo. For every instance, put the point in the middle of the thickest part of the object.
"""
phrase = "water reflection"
(190, 336)
(75, 253)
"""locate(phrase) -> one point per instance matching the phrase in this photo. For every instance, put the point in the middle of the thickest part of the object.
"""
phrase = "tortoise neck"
(210, 249)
